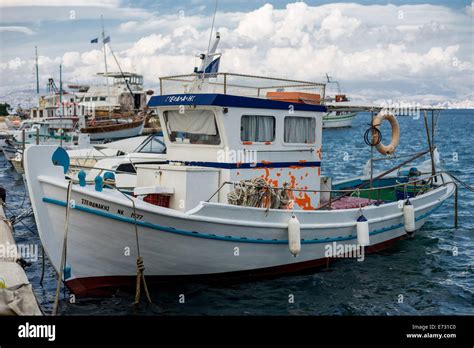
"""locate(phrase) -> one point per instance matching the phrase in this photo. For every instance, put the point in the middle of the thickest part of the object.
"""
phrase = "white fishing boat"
(337, 118)
(49, 131)
(120, 157)
(215, 210)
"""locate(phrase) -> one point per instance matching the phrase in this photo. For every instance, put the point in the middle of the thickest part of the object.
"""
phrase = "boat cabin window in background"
(300, 130)
(257, 129)
(192, 127)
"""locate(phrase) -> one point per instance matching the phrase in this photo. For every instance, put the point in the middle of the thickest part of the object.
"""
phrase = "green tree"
(4, 107)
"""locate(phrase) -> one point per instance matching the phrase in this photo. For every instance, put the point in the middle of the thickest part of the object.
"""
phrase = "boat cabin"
(229, 138)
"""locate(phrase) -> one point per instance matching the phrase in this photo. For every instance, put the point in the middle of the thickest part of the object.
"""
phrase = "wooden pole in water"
(23, 145)
(456, 206)
(371, 155)
(37, 136)
(433, 170)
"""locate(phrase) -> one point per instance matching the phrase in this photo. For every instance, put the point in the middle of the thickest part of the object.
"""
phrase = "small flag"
(96, 40)
(213, 67)
(106, 39)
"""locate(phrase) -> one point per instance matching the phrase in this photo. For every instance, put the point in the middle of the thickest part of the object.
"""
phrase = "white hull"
(332, 120)
(199, 242)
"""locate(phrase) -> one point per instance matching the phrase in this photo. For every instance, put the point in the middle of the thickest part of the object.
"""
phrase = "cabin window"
(153, 145)
(257, 128)
(88, 99)
(192, 127)
(300, 130)
(126, 167)
(102, 98)
(94, 98)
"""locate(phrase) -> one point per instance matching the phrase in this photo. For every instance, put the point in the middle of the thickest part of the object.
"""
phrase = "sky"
(417, 52)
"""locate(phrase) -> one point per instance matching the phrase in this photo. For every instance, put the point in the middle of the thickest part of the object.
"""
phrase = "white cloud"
(150, 44)
(59, 3)
(336, 25)
(399, 51)
(27, 11)
(16, 29)
(257, 24)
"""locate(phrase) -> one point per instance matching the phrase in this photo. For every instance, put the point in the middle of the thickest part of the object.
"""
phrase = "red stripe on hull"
(106, 285)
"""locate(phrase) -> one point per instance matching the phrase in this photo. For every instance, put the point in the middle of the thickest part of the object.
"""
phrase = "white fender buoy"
(409, 217)
(363, 237)
(294, 236)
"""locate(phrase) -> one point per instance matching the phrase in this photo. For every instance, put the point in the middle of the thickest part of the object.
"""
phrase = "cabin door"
(137, 101)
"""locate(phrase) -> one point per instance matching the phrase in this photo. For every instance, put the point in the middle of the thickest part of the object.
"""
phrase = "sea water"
(430, 274)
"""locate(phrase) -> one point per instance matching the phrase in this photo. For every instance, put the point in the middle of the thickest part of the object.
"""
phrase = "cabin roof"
(226, 100)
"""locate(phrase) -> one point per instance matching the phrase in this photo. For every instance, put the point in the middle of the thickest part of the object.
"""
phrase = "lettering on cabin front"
(180, 98)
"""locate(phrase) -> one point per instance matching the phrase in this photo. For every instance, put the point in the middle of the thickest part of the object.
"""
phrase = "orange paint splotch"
(278, 174)
(304, 201)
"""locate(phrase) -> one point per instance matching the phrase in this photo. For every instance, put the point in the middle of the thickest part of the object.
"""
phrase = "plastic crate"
(158, 199)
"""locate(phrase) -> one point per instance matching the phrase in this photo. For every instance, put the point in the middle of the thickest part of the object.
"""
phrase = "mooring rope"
(140, 263)
(463, 183)
(63, 254)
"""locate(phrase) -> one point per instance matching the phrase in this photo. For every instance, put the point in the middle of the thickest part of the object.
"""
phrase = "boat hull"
(212, 240)
(332, 120)
(118, 131)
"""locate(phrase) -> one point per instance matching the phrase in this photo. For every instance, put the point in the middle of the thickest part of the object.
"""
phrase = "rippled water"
(434, 272)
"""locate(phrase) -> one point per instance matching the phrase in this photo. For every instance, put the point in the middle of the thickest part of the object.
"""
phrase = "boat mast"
(61, 103)
(105, 59)
(207, 58)
(37, 72)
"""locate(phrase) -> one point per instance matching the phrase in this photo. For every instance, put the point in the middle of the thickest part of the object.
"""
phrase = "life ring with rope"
(376, 136)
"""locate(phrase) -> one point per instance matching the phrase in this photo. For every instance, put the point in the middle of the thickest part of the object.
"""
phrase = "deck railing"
(238, 84)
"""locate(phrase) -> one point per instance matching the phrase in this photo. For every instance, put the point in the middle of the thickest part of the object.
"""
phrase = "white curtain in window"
(300, 130)
(192, 121)
(257, 128)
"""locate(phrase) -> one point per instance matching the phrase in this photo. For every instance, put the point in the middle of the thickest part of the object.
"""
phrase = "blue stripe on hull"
(224, 165)
(222, 238)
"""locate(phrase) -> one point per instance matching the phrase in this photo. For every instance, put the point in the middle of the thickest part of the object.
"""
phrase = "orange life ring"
(377, 121)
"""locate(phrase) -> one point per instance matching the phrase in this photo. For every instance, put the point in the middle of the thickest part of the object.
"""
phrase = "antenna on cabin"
(330, 80)
(208, 63)
(37, 71)
(210, 38)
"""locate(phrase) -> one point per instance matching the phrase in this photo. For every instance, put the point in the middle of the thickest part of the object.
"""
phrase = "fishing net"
(260, 194)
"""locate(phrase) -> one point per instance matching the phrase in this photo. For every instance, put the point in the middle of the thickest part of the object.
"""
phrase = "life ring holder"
(376, 122)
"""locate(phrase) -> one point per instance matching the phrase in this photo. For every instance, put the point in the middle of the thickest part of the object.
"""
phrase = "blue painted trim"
(226, 100)
(224, 165)
(221, 238)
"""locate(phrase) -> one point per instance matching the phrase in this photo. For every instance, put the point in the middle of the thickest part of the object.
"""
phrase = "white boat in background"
(337, 118)
(120, 157)
(226, 204)
(53, 131)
